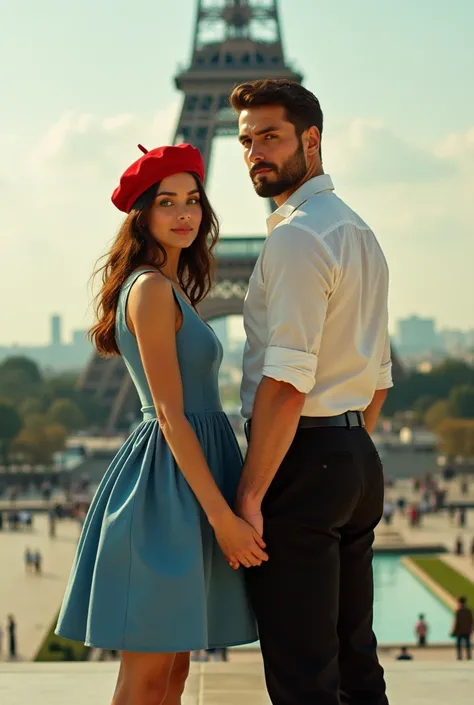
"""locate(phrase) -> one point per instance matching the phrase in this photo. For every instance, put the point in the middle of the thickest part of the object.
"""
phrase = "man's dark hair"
(302, 107)
(462, 600)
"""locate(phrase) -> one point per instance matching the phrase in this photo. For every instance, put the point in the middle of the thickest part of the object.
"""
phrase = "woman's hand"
(239, 541)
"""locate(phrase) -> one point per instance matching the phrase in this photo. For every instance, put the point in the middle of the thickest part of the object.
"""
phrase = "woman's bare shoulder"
(151, 286)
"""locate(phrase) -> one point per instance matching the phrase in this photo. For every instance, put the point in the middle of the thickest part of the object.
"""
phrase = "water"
(399, 599)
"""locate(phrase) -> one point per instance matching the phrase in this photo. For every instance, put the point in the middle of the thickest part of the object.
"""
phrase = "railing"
(239, 247)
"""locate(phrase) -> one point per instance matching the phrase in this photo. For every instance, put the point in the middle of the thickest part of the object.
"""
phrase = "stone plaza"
(432, 678)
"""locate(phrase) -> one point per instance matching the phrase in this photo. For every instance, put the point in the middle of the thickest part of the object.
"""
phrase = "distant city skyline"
(57, 352)
(398, 141)
(411, 330)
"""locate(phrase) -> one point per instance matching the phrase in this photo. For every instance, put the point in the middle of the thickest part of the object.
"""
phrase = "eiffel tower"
(234, 41)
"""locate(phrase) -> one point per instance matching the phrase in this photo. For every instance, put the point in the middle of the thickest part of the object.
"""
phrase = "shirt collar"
(310, 188)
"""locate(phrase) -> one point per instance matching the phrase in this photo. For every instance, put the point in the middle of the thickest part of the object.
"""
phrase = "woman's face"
(175, 216)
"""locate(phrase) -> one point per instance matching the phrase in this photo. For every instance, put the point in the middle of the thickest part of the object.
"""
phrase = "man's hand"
(251, 511)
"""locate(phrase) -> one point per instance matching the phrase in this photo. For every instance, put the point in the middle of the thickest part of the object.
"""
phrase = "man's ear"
(313, 140)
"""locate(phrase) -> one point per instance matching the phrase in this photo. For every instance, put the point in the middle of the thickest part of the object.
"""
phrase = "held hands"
(250, 511)
(239, 541)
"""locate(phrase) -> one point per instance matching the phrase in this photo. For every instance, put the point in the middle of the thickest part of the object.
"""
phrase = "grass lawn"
(55, 648)
(453, 582)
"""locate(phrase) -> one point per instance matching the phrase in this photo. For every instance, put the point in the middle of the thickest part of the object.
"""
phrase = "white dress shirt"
(315, 313)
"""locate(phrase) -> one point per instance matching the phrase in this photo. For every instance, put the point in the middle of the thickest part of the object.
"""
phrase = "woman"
(149, 579)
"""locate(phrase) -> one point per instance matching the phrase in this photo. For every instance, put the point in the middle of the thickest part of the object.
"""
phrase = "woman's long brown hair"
(134, 247)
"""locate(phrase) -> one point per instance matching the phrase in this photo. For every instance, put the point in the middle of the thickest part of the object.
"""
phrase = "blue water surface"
(399, 598)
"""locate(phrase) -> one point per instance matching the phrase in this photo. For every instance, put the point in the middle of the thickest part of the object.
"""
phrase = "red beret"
(154, 166)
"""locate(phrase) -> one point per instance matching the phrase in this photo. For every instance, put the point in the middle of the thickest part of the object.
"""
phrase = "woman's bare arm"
(152, 309)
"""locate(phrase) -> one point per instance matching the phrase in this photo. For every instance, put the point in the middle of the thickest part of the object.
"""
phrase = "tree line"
(38, 412)
(443, 400)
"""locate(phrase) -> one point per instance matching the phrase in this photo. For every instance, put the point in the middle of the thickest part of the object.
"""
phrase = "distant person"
(404, 655)
(23, 518)
(11, 627)
(425, 506)
(462, 518)
(217, 654)
(414, 515)
(46, 490)
(37, 561)
(52, 524)
(401, 505)
(421, 630)
(388, 512)
(462, 629)
(440, 497)
(459, 546)
(28, 560)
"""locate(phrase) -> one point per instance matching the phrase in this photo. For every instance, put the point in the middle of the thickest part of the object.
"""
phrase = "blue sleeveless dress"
(148, 575)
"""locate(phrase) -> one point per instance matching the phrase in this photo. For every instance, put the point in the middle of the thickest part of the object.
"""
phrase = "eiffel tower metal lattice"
(234, 41)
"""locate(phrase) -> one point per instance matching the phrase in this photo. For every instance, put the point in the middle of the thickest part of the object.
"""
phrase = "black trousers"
(313, 599)
(464, 641)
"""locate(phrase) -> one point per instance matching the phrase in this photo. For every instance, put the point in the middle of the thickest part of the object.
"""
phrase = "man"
(463, 628)
(421, 630)
(316, 369)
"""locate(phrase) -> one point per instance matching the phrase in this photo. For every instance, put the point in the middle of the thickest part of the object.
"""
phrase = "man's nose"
(256, 153)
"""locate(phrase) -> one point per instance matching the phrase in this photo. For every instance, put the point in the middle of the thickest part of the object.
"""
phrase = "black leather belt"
(350, 419)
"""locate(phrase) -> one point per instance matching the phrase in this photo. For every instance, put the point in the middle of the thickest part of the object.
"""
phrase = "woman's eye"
(165, 203)
(193, 201)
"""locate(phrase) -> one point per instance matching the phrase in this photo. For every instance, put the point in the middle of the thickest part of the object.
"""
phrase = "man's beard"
(292, 172)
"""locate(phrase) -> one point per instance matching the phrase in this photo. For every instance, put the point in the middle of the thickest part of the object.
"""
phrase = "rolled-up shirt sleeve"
(385, 374)
(298, 273)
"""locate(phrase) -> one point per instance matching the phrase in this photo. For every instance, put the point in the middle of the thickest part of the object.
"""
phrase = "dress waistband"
(149, 412)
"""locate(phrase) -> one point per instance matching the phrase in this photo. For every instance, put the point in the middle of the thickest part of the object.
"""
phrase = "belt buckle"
(359, 418)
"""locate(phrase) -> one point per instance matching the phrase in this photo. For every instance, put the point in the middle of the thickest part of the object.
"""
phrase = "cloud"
(90, 151)
(369, 152)
(413, 191)
(458, 146)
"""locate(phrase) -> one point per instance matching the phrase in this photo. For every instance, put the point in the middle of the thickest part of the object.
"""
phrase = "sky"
(81, 84)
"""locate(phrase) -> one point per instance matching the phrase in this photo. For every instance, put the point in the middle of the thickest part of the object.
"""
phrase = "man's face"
(274, 154)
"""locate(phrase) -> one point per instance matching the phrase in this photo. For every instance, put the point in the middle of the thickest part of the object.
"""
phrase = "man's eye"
(270, 137)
